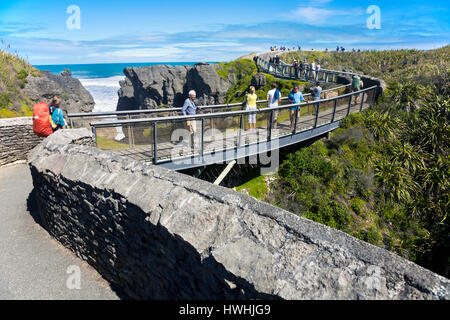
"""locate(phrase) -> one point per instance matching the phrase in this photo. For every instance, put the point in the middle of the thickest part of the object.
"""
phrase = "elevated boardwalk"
(222, 134)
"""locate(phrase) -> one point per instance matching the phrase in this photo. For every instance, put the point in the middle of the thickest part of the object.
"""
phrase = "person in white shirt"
(313, 70)
(273, 98)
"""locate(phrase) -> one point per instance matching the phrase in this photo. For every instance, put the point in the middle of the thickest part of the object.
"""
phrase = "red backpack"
(41, 120)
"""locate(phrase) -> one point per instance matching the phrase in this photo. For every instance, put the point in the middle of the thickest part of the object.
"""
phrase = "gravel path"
(33, 265)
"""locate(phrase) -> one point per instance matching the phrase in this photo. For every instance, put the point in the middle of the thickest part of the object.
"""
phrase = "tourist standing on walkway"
(313, 70)
(301, 69)
(306, 70)
(295, 97)
(189, 108)
(251, 105)
(57, 115)
(317, 70)
(273, 98)
(357, 84)
(317, 90)
(295, 65)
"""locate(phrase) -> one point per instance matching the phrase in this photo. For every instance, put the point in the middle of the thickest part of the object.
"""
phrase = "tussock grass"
(14, 71)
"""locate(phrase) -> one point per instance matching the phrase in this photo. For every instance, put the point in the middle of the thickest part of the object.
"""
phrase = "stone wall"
(16, 139)
(367, 81)
(159, 234)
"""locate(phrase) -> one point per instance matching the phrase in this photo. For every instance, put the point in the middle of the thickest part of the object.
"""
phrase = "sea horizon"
(103, 70)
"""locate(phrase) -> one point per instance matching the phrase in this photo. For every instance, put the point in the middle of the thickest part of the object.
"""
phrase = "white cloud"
(207, 44)
(165, 51)
(316, 16)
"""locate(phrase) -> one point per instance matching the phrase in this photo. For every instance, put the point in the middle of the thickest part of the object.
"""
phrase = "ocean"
(102, 79)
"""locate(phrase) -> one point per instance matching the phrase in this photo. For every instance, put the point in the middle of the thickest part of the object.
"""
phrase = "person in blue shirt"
(295, 97)
(317, 90)
(57, 114)
(189, 107)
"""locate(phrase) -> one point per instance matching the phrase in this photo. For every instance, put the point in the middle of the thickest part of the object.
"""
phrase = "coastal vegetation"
(243, 71)
(383, 176)
(14, 71)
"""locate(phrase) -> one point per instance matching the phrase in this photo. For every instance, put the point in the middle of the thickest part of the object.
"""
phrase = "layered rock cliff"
(75, 97)
(149, 87)
(22, 85)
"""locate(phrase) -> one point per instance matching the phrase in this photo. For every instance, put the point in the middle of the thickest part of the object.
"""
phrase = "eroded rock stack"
(75, 97)
(149, 87)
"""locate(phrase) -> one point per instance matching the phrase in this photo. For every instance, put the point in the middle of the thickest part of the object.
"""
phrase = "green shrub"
(5, 100)
(371, 235)
(357, 205)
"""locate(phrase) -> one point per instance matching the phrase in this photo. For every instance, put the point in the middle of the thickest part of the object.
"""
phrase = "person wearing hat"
(57, 114)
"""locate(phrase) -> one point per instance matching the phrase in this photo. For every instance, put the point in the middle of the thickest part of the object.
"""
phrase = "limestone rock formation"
(259, 80)
(152, 86)
(75, 97)
(330, 94)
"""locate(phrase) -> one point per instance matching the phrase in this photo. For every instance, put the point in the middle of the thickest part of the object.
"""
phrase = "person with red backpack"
(47, 120)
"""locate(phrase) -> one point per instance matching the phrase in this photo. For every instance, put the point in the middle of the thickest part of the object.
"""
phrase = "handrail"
(108, 114)
(178, 109)
(99, 124)
(282, 63)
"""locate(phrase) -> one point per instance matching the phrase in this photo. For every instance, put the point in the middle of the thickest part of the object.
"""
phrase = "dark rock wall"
(75, 97)
(149, 87)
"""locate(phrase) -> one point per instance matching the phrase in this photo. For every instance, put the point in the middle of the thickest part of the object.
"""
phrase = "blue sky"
(155, 31)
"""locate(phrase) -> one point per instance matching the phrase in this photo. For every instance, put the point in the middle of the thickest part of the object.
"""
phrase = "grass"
(256, 187)
(107, 144)
(390, 65)
(14, 71)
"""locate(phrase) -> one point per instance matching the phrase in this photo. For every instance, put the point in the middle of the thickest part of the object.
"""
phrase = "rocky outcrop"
(149, 87)
(75, 97)
(258, 80)
(16, 139)
(159, 234)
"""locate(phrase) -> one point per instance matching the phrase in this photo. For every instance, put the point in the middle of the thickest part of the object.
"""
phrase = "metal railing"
(134, 114)
(284, 70)
(158, 139)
